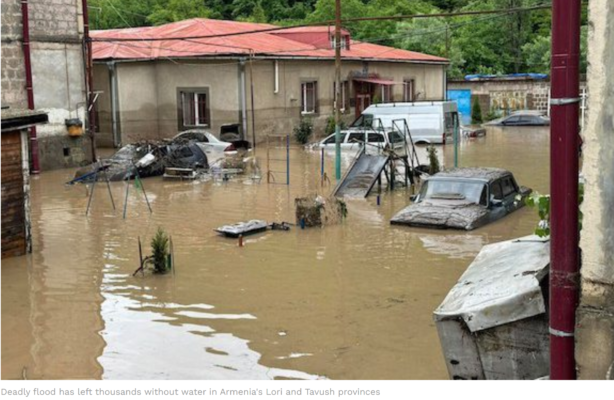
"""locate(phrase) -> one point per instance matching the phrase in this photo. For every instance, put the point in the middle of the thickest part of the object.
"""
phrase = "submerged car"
(523, 118)
(353, 140)
(463, 198)
(214, 148)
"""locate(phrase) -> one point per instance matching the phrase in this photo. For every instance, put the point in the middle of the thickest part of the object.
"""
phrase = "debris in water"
(318, 211)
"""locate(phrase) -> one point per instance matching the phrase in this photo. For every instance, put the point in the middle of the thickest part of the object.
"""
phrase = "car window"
(375, 138)
(513, 120)
(365, 120)
(330, 140)
(395, 137)
(508, 186)
(495, 190)
(443, 189)
(198, 136)
(356, 137)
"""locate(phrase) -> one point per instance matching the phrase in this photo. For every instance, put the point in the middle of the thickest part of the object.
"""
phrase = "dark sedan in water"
(522, 118)
(463, 198)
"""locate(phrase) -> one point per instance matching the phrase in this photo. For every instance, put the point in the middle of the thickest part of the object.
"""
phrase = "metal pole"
(337, 89)
(456, 141)
(564, 236)
(126, 198)
(288, 159)
(322, 165)
(89, 201)
(251, 84)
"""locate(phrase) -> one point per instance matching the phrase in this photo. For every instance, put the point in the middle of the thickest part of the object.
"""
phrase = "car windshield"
(443, 189)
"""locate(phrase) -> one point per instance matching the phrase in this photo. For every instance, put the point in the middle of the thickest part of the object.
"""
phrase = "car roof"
(479, 173)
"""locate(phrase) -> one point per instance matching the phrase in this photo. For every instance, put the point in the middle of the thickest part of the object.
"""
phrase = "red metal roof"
(271, 44)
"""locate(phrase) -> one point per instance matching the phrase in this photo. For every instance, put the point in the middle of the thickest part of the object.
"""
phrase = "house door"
(363, 95)
(362, 101)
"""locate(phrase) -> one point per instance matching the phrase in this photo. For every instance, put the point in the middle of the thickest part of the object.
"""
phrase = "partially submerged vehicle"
(463, 198)
(523, 118)
(373, 141)
(214, 148)
(429, 122)
(194, 150)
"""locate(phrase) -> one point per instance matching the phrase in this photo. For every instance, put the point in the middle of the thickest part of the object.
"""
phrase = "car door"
(512, 121)
(510, 191)
(375, 142)
(354, 141)
(497, 201)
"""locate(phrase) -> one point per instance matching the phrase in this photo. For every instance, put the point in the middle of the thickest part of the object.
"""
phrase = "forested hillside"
(491, 44)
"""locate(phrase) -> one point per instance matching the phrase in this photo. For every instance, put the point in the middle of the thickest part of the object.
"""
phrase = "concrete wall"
(148, 93)
(58, 74)
(595, 327)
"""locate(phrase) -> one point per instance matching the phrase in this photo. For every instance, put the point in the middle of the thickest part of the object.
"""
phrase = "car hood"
(442, 214)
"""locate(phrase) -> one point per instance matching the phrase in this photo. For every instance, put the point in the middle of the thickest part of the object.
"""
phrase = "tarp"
(484, 77)
(501, 285)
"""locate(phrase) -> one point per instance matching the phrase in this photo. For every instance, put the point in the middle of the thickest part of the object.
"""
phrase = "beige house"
(226, 75)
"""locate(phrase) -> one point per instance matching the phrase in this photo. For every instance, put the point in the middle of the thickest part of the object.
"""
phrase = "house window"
(309, 97)
(408, 90)
(194, 108)
(345, 95)
(386, 93)
(343, 42)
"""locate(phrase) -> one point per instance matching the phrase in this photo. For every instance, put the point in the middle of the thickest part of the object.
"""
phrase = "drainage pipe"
(25, 24)
(564, 236)
(89, 72)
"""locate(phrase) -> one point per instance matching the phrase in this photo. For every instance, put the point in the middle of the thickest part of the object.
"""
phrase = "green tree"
(177, 10)
(476, 112)
(538, 53)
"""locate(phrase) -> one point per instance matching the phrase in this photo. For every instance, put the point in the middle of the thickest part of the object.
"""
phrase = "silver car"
(214, 148)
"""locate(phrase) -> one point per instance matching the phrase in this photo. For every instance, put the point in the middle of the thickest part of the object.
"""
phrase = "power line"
(330, 22)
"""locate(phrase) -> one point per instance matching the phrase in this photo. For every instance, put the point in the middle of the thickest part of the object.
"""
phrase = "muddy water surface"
(352, 301)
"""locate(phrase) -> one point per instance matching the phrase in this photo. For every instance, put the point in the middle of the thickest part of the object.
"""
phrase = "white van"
(428, 121)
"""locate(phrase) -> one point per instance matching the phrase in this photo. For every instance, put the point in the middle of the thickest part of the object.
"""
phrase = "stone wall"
(503, 96)
(595, 316)
(56, 31)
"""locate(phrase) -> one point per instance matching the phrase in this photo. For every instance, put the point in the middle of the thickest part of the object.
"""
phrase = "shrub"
(303, 131)
(330, 125)
(433, 160)
(476, 112)
(159, 248)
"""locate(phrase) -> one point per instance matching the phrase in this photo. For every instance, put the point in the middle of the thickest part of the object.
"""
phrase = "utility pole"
(564, 229)
(338, 89)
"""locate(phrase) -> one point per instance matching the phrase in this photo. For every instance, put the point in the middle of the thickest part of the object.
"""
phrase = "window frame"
(409, 95)
(386, 93)
(304, 84)
(194, 92)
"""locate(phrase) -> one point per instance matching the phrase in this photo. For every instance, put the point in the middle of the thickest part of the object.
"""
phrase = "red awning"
(378, 81)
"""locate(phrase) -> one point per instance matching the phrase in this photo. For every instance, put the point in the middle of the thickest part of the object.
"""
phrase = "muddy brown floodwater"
(352, 301)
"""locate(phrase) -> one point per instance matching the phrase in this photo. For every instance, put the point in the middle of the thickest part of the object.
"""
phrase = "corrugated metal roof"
(272, 44)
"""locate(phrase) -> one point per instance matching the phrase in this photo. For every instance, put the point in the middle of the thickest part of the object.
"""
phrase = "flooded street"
(352, 301)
